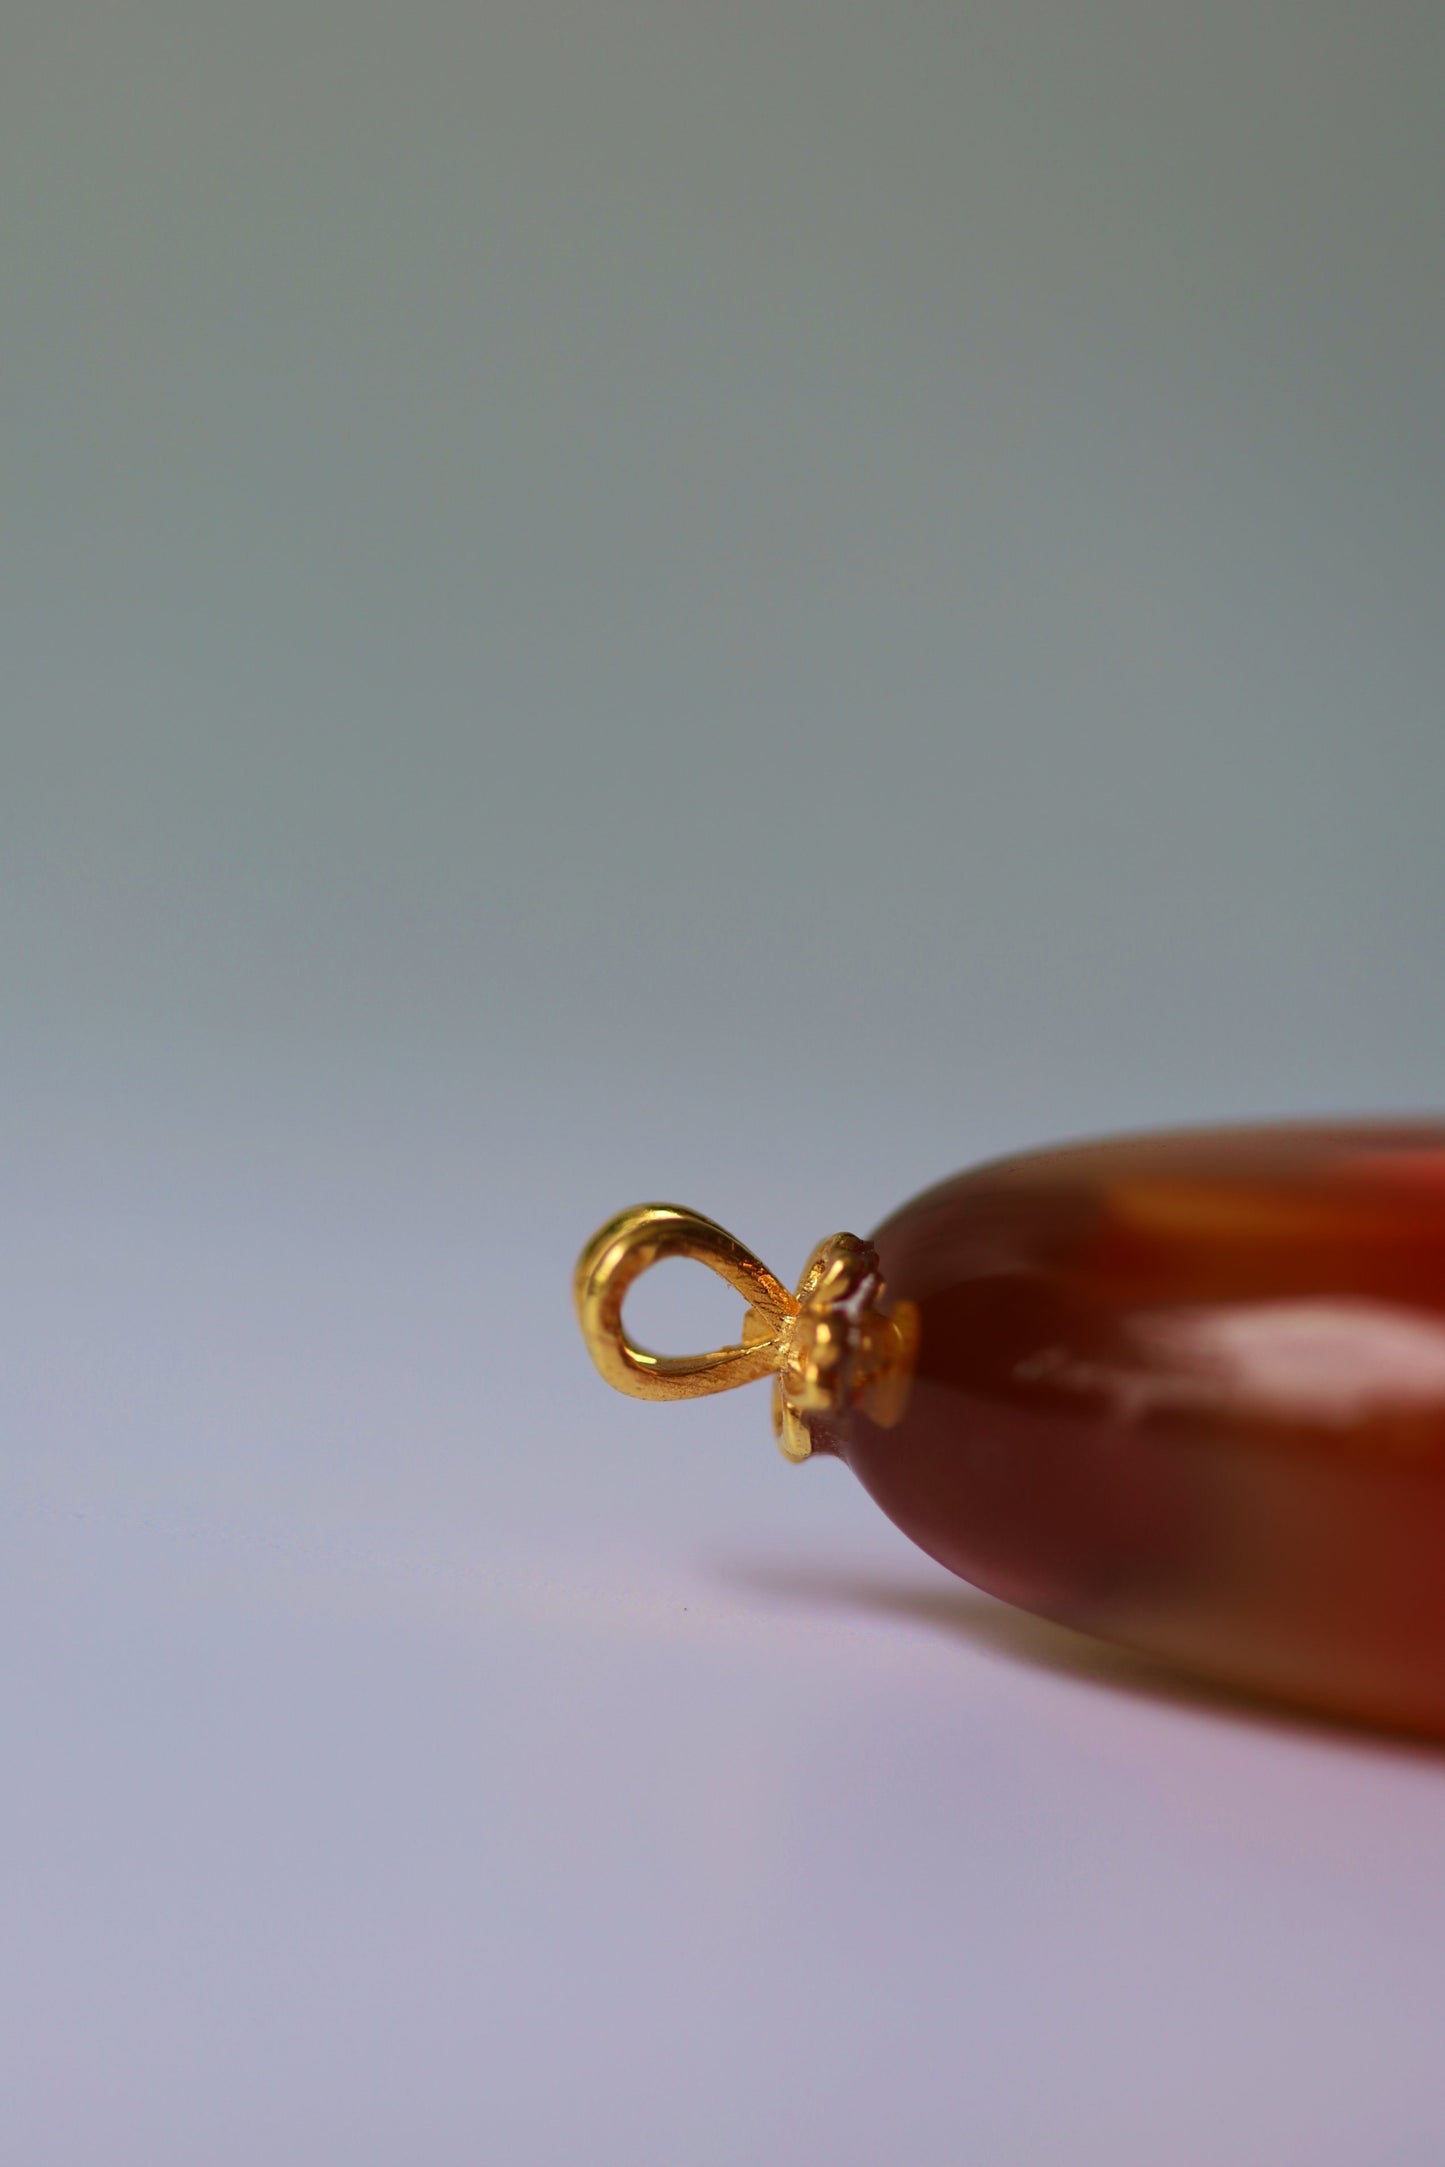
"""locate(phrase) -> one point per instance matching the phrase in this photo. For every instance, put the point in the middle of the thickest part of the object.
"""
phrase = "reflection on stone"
(1189, 1392)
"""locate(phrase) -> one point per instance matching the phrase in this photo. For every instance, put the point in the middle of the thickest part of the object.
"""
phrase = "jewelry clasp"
(834, 1344)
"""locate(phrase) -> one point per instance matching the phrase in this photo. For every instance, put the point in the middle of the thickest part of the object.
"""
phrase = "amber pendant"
(1186, 1392)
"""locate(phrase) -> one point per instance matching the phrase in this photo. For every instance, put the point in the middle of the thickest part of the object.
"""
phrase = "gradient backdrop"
(742, 602)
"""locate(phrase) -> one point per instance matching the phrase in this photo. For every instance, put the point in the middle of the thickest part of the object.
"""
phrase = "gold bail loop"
(620, 1252)
(837, 1343)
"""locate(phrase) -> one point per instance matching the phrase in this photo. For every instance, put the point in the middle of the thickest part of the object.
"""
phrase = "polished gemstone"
(1188, 1392)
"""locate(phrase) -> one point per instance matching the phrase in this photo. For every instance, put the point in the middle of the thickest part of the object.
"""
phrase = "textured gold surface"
(835, 1344)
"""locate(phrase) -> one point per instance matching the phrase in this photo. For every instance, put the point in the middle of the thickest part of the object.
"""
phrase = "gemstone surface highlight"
(1188, 1392)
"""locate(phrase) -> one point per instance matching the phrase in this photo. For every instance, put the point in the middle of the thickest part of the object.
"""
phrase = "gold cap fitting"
(837, 1343)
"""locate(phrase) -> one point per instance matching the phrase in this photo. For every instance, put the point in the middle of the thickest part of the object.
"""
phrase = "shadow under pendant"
(1185, 1392)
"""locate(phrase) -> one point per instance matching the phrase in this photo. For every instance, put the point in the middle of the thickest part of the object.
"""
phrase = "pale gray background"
(738, 601)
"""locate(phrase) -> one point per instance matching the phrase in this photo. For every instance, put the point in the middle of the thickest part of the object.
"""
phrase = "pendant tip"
(834, 1344)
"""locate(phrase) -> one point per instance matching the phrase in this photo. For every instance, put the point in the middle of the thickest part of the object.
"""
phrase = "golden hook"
(620, 1252)
(833, 1343)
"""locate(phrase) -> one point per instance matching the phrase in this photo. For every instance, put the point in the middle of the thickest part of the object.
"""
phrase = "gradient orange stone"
(1188, 1392)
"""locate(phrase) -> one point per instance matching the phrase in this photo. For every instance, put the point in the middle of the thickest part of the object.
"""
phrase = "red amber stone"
(1188, 1392)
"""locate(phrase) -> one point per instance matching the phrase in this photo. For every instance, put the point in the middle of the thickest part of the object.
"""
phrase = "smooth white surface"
(329, 1855)
(381, 1785)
